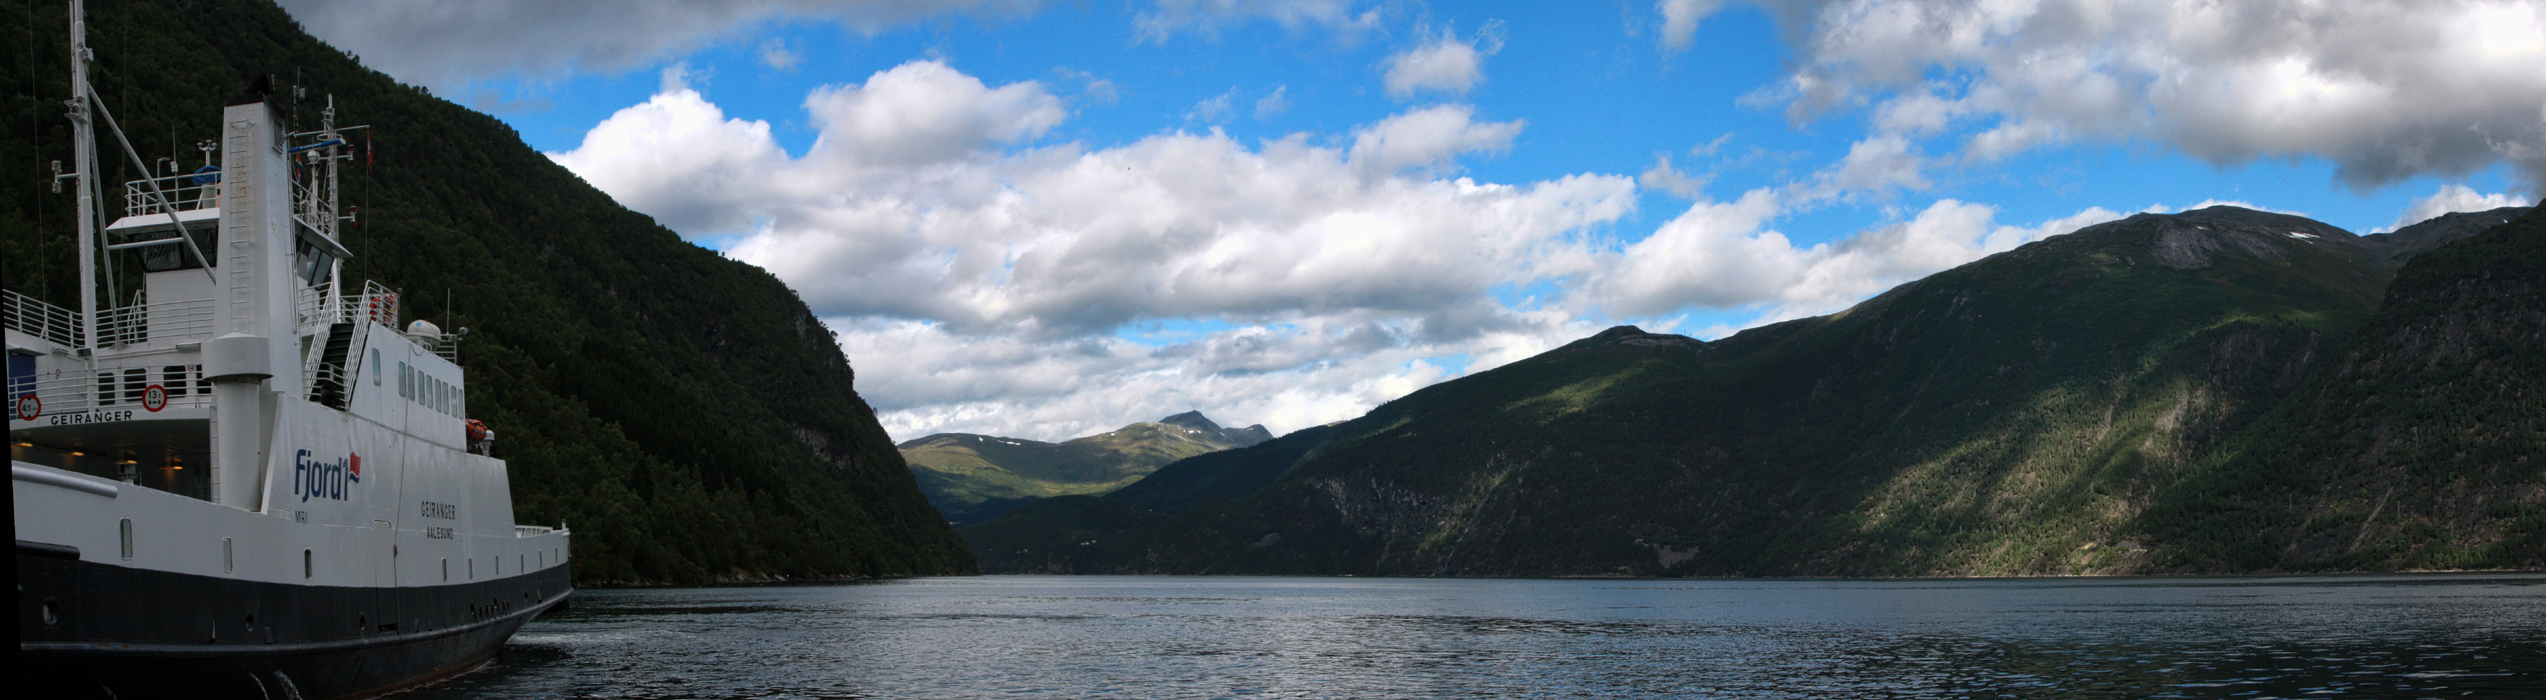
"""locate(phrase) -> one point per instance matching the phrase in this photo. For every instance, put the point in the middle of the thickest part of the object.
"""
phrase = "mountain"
(686, 414)
(974, 477)
(2422, 445)
(2402, 244)
(2165, 393)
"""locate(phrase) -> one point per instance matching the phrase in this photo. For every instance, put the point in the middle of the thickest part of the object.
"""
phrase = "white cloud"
(449, 43)
(2384, 89)
(1428, 138)
(1679, 20)
(1723, 255)
(1209, 15)
(927, 380)
(923, 220)
(776, 54)
(2454, 198)
(924, 112)
(1662, 176)
(1445, 63)
(677, 153)
(1212, 110)
(1275, 104)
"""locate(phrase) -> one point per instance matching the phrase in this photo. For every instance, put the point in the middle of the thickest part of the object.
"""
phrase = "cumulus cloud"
(927, 380)
(2454, 198)
(1428, 138)
(449, 43)
(2383, 89)
(1724, 255)
(692, 167)
(1446, 63)
(921, 200)
(984, 282)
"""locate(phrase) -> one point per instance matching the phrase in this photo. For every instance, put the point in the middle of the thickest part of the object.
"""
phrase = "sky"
(1048, 219)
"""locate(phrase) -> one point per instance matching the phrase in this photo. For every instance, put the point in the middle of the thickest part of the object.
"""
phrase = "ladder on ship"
(328, 388)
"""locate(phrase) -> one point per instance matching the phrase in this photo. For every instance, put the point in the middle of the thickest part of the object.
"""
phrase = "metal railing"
(79, 390)
(27, 315)
(181, 191)
(531, 530)
(309, 211)
(175, 321)
(376, 304)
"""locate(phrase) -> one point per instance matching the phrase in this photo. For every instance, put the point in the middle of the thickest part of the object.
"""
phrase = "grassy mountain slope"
(975, 477)
(2019, 415)
(685, 413)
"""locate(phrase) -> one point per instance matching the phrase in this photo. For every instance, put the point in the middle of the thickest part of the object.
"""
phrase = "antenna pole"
(84, 149)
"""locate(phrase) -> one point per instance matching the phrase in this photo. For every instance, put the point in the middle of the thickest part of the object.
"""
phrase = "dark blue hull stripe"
(90, 630)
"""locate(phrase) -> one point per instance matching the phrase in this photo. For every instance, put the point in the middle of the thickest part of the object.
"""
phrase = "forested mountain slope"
(684, 413)
(2072, 406)
(2422, 445)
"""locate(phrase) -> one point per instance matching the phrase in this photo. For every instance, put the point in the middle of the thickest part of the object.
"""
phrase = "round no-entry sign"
(154, 398)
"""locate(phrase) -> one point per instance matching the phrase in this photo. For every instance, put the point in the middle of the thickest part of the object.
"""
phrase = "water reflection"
(2411, 636)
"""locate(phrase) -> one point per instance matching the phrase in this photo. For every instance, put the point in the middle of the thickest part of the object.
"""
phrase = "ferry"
(245, 478)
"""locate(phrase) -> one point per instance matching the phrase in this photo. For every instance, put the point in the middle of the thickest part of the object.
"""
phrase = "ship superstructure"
(245, 478)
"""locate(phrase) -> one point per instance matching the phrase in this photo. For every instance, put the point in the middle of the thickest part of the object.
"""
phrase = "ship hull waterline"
(108, 632)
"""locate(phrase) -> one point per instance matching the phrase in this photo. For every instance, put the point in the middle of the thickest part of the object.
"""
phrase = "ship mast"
(84, 154)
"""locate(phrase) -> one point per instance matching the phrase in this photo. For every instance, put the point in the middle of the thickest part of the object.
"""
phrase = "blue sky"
(1048, 219)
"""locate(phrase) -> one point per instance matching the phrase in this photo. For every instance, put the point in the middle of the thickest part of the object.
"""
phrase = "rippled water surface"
(1144, 637)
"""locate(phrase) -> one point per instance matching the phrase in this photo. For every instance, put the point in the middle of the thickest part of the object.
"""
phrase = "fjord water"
(2443, 635)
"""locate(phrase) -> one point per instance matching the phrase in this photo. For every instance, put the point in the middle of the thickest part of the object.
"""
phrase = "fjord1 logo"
(314, 479)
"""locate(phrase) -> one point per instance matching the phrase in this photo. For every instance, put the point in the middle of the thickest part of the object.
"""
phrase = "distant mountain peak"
(1191, 419)
(1632, 336)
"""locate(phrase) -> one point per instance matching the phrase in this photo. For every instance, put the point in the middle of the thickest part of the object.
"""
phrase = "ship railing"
(122, 387)
(181, 193)
(26, 314)
(308, 209)
(175, 321)
(531, 530)
(375, 304)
